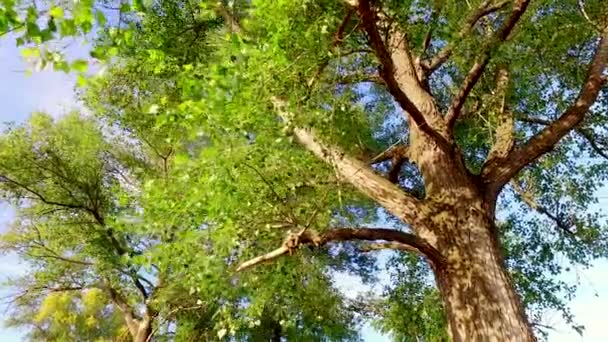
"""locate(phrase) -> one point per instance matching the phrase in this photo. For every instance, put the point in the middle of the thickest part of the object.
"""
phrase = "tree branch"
(360, 78)
(124, 307)
(483, 10)
(480, 65)
(389, 70)
(497, 175)
(504, 141)
(396, 150)
(388, 245)
(229, 18)
(591, 140)
(398, 154)
(357, 173)
(64, 259)
(580, 130)
(435, 12)
(42, 198)
(527, 198)
(295, 240)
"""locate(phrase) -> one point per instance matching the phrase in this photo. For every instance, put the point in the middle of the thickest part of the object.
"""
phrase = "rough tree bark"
(453, 226)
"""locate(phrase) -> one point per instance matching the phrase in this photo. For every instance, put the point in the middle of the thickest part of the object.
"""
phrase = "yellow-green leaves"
(56, 12)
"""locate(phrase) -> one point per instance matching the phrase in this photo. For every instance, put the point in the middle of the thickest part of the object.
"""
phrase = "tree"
(71, 315)
(108, 260)
(440, 116)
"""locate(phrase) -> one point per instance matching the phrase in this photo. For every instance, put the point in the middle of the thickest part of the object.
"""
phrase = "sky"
(53, 92)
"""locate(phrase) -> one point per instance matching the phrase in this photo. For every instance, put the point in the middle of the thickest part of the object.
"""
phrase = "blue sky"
(52, 92)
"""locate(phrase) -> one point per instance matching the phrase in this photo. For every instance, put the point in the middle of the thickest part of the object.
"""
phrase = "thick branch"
(230, 20)
(124, 307)
(480, 65)
(396, 150)
(388, 72)
(504, 141)
(586, 134)
(483, 10)
(293, 241)
(388, 245)
(496, 175)
(357, 173)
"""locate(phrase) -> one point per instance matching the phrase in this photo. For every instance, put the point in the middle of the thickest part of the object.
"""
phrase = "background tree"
(101, 206)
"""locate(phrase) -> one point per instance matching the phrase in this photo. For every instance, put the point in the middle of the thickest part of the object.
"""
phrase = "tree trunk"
(144, 331)
(480, 300)
(276, 332)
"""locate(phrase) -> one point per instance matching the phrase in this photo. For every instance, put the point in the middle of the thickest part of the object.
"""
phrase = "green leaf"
(56, 12)
(79, 65)
(30, 52)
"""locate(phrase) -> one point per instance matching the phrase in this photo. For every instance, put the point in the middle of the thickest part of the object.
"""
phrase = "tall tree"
(316, 114)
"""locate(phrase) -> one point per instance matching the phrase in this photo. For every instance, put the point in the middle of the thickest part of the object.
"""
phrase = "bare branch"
(398, 154)
(293, 241)
(42, 198)
(436, 11)
(496, 175)
(581, 6)
(337, 41)
(339, 35)
(482, 61)
(358, 78)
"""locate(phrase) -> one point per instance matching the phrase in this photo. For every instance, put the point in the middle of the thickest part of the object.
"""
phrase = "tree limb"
(396, 150)
(482, 61)
(527, 198)
(388, 72)
(591, 140)
(504, 141)
(497, 175)
(580, 130)
(357, 173)
(231, 21)
(388, 245)
(43, 199)
(435, 12)
(398, 154)
(295, 240)
(360, 78)
(64, 259)
(124, 307)
(483, 10)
